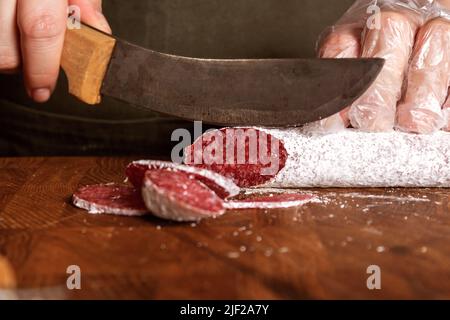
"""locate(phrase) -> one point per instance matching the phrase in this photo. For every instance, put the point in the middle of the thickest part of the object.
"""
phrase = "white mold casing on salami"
(352, 158)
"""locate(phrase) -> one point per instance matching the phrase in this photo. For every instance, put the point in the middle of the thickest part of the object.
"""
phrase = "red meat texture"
(180, 196)
(135, 173)
(187, 193)
(185, 188)
(110, 198)
(248, 156)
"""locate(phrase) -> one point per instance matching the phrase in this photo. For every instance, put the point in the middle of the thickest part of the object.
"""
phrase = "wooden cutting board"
(320, 250)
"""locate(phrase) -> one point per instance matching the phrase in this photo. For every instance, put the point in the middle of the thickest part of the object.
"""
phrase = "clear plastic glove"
(414, 38)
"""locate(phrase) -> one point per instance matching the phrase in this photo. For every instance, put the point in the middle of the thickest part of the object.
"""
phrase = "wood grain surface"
(321, 250)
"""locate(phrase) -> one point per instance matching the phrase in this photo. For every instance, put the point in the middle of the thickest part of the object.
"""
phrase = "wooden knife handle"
(85, 58)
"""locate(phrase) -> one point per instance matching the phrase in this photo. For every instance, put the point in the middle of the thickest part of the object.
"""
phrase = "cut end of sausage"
(248, 156)
(110, 199)
(177, 195)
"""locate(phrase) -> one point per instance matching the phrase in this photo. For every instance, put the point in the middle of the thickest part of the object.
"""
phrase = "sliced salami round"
(110, 199)
(272, 201)
(178, 195)
(248, 156)
(222, 186)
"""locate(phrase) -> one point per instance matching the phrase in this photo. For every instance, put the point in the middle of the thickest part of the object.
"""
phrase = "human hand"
(32, 36)
(414, 39)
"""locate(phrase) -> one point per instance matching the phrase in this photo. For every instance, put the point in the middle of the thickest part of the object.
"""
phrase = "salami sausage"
(304, 158)
(110, 199)
(178, 195)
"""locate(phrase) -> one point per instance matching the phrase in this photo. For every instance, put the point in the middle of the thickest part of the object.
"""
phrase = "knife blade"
(264, 92)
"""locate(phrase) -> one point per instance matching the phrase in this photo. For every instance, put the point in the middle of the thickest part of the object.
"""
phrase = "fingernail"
(41, 95)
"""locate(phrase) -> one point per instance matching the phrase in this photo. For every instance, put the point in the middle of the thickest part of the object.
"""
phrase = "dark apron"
(196, 28)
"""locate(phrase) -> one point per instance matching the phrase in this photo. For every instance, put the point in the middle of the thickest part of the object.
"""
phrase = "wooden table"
(320, 250)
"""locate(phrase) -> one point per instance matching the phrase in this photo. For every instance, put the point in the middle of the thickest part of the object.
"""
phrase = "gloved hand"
(32, 37)
(414, 38)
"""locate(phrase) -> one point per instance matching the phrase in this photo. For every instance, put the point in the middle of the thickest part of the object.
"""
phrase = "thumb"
(91, 14)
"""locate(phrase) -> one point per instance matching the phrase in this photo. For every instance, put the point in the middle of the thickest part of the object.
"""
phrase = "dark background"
(196, 28)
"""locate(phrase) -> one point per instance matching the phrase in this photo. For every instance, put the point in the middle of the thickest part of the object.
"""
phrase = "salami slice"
(178, 195)
(110, 199)
(223, 187)
(272, 201)
(348, 158)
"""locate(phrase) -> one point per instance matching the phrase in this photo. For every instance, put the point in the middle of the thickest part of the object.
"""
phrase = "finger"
(393, 41)
(9, 46)
(42, 26)
(446, 111)
(428, 80)
(343, 42)
(91, 14)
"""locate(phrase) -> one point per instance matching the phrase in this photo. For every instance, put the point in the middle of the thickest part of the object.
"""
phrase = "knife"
(264, 92)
